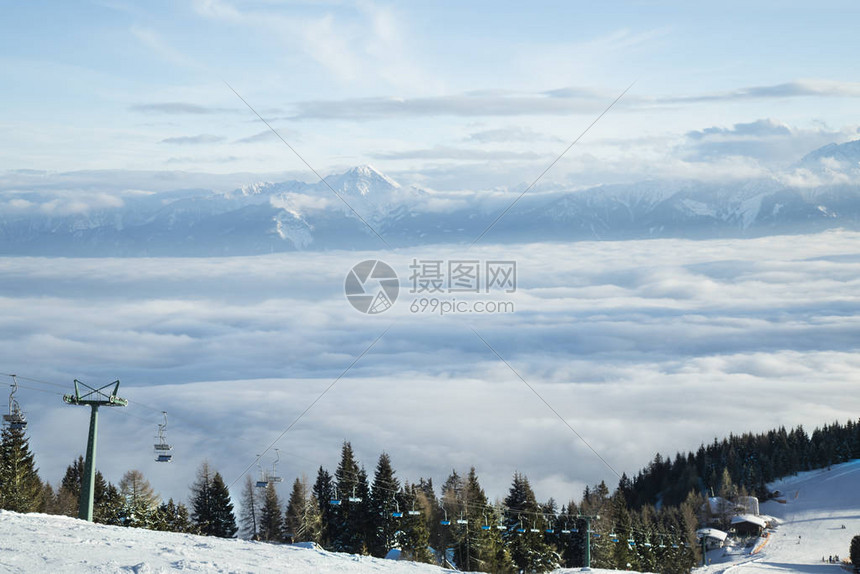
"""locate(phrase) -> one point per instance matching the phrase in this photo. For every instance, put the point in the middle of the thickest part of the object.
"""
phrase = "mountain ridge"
(264, 217)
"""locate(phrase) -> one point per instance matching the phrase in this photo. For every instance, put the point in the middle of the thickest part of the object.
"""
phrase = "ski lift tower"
(94, 398)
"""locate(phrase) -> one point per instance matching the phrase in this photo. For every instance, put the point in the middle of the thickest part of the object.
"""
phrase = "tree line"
(647, 523)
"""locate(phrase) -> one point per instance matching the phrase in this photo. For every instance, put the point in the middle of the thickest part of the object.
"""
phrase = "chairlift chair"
(264, 481)
(274, 477)
(462, 520)
(397, 513)
(485, 525)
(335, 501)
(15, 419)
(534, 527)
(162, 447)
(445, 521)
(414, 512)
(354, 498)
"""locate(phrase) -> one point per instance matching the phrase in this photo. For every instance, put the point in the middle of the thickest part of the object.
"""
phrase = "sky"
(641, 346)
(445, 95)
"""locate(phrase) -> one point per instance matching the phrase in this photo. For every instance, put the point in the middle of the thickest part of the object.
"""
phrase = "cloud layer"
(641, 346)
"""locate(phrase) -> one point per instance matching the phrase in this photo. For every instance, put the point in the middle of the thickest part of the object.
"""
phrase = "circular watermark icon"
(371, 286)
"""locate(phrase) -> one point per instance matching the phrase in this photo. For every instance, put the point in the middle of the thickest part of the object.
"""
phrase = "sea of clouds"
(642, 346)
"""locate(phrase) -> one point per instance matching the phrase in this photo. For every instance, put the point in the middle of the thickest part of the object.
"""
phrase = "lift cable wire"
(549, 406)
(354, 475)
(310, 406)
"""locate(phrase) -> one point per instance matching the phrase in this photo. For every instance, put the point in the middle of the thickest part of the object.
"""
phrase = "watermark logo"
(372, 286)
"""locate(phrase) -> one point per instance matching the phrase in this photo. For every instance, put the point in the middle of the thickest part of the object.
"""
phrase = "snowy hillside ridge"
(38, 543)
(47, 543)
(347, 210)
(812, 508)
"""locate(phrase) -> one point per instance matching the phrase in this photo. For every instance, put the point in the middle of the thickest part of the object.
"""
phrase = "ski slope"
(39, 543)
(817, 504)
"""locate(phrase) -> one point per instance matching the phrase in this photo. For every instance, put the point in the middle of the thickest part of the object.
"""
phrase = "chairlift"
(631, 541)
(565, 529)
(15, 419)
(613, 537)
(414, 512)
(445, 521)
(264, 480)
(520, 528)
(162, 447)
(462, 520)
(397, 513)
(335, 501)
(485, 525)
(354, 498)
(274, 477)
(534, 527)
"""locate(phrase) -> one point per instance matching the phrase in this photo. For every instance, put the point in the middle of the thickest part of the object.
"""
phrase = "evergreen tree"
(271, 516)
(324, 494)
(69, 493)
(172, 517)
(140, 502)
(303, 521)
(415, 533)
(20, 486)
(481, 547)
(249, 517)
(528, 550)
(350, 519)
(854, 551)
(383, 503)
(212, 510)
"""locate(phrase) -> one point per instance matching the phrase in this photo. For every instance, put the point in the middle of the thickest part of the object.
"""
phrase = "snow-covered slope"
(38, 543)
(816, 506)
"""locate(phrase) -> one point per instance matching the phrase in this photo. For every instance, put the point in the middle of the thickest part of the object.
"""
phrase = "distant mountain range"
(294, 215)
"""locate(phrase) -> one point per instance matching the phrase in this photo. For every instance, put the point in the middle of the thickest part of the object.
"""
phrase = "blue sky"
(488, 91)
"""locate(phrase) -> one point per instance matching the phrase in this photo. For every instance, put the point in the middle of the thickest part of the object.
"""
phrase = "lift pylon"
(94, 398)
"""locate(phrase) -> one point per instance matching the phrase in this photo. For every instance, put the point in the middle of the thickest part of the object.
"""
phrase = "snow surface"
(37, 543)
(816, 505)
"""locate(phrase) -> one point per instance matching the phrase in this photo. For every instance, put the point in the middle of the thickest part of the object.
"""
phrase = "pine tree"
(20, 486)
(69, 493)
(172, 517)
(212, 510)
(249, 516)
(271, 516)
(349, 520)
(415, 532)
(854, 551)
(323, 492)
(302, 520)
(140, 502)
(383, 503)
(528, 549)
(482, 546)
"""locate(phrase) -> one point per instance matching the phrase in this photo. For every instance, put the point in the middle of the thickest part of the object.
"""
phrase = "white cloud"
(621, 337)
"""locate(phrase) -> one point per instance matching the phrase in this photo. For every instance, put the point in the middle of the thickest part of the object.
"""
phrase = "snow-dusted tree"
(528, 549)
(172, 517)
(20, 486)
(349, 520)
(140, 502)
(303, 522)
(383, 502)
